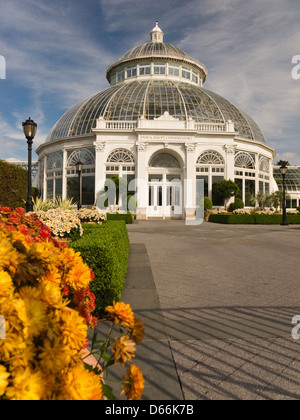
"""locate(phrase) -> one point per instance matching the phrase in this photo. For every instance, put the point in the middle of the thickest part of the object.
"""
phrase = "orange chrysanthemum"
(123, 350)
(82, 385)
(138, 331)
(133, 384)
(121, 313)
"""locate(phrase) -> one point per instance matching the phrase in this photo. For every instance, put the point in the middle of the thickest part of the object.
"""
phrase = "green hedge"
(250, 219)
(13, 185)
(105, 249)
(128, 218)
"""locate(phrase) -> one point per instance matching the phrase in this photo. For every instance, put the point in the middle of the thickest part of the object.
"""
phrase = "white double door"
(165, 193)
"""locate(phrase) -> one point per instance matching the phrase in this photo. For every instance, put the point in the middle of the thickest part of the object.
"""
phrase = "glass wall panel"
(50, 189)
(72, 189)
(249, 192)
(88, 190)
(217, 201)
(239, 183)
(205, 179)
(58, 187)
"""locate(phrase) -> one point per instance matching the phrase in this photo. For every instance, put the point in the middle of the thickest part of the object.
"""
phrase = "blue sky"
(56, 54)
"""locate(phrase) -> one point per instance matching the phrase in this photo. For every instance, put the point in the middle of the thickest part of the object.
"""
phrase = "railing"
(210, 127)
(167, 124)
(120, 125)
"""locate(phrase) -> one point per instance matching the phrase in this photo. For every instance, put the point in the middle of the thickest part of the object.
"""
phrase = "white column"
(230, 157)
(190, 182)
(45, 178)
(142, 181)
(64, 180)
(100, 168)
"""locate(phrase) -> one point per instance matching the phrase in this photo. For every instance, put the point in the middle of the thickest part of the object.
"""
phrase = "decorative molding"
(142, 147)
(230, 150)
(191, 147)
(100, 146)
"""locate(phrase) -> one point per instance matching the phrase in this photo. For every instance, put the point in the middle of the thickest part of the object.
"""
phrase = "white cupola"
(157, 34)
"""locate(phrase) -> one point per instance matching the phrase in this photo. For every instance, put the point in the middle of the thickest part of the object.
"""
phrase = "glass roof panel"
(131, 100)
(292, 179)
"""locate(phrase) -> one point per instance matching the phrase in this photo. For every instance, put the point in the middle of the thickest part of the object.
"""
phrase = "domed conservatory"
(160, 129)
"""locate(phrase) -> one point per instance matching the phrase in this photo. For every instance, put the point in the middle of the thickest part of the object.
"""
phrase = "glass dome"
(151, 99)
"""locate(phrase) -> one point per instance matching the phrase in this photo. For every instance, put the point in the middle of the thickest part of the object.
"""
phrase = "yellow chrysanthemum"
(4, 375)
(79, 277)
(123, 350)
(36, 310)
(54, 356)
(81, 385)
(121, 313)
(26, 385)
(70, 257)
(74, 330)
(50, 288)
(6, 285)
(9, 257)
(133, 384)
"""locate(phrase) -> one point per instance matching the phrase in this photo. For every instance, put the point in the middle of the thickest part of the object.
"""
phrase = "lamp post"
(283, 170)
(30, 128)
(79, 167)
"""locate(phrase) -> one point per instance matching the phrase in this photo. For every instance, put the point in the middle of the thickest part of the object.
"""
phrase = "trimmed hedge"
(258, 219)
(105, 248)
(128, 218)
(13, 185)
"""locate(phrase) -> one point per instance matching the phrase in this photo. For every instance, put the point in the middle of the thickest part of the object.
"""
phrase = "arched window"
(54, 175)
(210, 168)
(210, 157)
(164, 160)
(121, 156)
(245, 177)
(264, 175)
(84, 156)
(264, 165)
(244, 160)
(87, 187)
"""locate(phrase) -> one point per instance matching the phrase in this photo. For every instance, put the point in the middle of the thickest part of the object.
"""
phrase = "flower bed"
(47, 306)
(62, 223)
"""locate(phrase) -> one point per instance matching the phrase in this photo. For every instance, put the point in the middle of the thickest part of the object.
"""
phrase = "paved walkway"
(217, 302)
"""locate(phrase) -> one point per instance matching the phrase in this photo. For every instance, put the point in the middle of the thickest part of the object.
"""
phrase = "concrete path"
(217, 302)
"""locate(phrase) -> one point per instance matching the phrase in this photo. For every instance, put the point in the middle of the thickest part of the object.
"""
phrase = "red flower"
(20, 211)
(5, 209)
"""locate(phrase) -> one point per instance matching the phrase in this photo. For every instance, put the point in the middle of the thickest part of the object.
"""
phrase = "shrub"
(259, 219)
(127, 217)
(13, 185)
(208, 204)
(238, 204)
(105, 249)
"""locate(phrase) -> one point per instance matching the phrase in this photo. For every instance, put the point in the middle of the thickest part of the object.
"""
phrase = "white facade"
(158, 126)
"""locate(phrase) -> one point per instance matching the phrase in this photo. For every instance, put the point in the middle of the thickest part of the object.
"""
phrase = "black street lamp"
(79, 167)
(283, 170)
(30, 128)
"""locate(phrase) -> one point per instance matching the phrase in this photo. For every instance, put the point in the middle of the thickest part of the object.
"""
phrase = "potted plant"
(208, 205)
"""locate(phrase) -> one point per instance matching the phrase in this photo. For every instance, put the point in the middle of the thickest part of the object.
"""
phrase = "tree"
(226, 189)
(283, 163)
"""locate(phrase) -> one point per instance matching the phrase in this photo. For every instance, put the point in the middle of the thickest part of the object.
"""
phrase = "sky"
(55, 53)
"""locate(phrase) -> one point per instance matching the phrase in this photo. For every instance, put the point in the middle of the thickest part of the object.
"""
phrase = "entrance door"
(165, 195)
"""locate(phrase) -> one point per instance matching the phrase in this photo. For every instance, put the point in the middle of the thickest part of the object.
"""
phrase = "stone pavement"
(217, 302)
